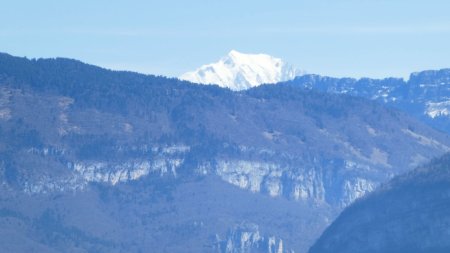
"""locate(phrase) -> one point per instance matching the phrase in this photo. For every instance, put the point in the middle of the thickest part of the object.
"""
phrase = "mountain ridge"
(426, 95)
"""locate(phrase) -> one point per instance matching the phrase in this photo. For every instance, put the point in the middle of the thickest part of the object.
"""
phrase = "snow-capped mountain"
(239, 71)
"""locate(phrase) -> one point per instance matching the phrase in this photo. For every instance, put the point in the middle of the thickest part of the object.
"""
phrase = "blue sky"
(374, 38)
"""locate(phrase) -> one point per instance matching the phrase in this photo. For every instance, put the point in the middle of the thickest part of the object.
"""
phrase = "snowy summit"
(239, 71)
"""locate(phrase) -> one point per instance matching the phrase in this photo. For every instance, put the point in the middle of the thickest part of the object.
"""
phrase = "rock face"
(239, 71)
(107, 161)
(409, 214)
(247, 238)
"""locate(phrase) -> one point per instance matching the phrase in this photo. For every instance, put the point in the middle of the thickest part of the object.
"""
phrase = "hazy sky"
(356, 38)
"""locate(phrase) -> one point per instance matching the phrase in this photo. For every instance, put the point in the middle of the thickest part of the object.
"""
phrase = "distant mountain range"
(239, 71)
(109, 161)
(426, 95)
(409, 214)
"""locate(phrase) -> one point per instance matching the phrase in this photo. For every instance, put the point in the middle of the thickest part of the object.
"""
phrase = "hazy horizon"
(346, 38)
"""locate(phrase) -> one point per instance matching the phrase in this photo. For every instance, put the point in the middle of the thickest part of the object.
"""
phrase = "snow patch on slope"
(423, 140)
(5, 98)
(438, 109)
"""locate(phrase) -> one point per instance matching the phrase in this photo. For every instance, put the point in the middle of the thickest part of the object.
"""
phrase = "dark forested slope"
(409, 214)
(97, 160)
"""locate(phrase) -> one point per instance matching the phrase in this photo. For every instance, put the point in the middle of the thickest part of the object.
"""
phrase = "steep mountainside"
(102, 161)
(426, 95)
(409, 214)
(239, 71)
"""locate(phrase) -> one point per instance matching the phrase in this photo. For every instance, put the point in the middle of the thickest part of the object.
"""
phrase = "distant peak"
(238, 55)
(240, 71)
(234, 53)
